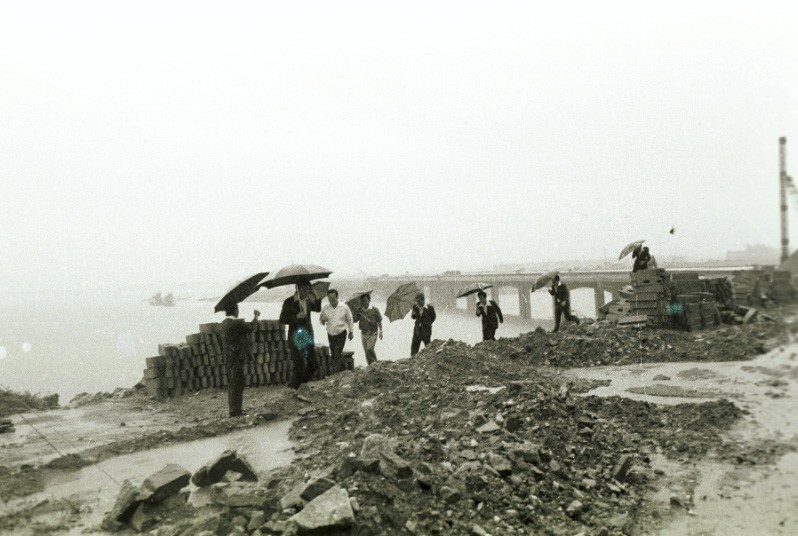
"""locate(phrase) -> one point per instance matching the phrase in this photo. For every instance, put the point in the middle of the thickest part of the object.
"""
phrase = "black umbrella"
(240, 291)
(473, 289)
(401, 301)
(296, 274)
(543, 280)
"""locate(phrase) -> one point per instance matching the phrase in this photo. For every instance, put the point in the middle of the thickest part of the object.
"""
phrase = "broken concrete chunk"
(375, 443)
(145, 517)
(126, 503)
(352, 464)
(622, 468)
(393, 466)
(316, 487)
(450, 495)
(330, 510)
(164, 483)
(489, 427)
(240, 495)
(501, 464)
(213, 471)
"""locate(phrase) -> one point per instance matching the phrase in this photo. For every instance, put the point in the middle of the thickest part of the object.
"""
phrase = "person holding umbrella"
(370, 322)
(562, 303)
(296, 314)
(424, 315)
(234, 333)
(491, 315)
(337, 318)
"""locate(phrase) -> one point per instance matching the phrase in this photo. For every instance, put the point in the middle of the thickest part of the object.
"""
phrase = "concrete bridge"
(442, 290)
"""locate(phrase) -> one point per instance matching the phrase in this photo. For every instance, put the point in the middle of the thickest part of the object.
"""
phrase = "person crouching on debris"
(642, 259)
(424, 315)
(562, 303)
(491, 316)
(370, 328)
(234, 333)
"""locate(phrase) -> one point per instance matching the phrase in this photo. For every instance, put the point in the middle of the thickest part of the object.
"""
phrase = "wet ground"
(748, 488)
(747, 485)
(94, 488)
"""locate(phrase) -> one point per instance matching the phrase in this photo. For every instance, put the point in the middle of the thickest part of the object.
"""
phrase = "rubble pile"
(199, 363)
(462, 440)
(604, 344)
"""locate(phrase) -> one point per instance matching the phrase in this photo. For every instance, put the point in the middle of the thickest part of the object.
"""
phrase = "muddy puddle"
(95, 487)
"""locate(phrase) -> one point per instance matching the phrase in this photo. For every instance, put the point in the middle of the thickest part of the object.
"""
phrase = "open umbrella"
(630, 248)
(355, 305)
(401, 301)
(240, 291)
(543, 280)
(295, 274)
(473, 289)
(320, 288)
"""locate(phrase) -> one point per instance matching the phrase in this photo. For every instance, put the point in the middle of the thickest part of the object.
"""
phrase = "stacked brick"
(781, 289)
(748, 286)
(649, 295)
(681, 300)
(199, 363)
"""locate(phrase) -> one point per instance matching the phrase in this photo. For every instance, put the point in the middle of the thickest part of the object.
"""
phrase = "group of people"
(339, 321)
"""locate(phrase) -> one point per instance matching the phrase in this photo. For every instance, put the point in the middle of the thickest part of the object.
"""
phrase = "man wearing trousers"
(296, 314)
(234, 333)
(562, 303)
(337, 318)
(424, 315)
(491, 316)
(370, 328)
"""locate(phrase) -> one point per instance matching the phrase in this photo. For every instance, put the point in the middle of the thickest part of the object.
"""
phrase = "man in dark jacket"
(296, 314)
(234, 333)
(491, 316)
(562, 303)
(424, 315)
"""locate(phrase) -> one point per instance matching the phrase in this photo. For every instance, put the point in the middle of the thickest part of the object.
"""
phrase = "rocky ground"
(490, 439)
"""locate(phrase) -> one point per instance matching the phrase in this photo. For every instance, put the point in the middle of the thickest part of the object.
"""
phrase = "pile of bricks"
(748, 286)
(649, 295)
(199, 363)
(781, 289)
(680, 300)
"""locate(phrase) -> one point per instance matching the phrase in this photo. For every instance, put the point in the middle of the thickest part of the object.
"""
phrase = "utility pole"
(785, 239)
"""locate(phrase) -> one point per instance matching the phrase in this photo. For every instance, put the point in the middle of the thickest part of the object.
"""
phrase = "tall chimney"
(785, 239)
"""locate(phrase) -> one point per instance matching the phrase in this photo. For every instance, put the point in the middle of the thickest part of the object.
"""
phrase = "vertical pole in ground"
(785, 239)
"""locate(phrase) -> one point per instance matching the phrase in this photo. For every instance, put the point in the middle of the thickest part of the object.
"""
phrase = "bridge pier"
(598, 293)
(524, 302)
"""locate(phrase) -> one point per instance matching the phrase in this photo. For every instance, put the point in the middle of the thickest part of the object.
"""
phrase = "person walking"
(370, 328)
(234, 333)
(562, 303)
(491, 315)
(337, 318)
(296, 314)
(424, 315)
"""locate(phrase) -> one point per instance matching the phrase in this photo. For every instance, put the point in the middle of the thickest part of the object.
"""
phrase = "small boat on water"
(163, 301)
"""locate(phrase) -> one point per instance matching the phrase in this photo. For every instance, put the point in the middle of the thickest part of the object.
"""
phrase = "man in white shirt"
(337, 318)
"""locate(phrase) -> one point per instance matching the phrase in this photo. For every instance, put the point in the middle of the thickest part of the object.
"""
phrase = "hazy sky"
(155, 142)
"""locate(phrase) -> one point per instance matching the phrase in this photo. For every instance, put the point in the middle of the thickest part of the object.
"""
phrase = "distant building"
(756, 254)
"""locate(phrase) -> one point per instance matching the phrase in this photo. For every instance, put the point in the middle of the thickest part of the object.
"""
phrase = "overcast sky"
(200, 141)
